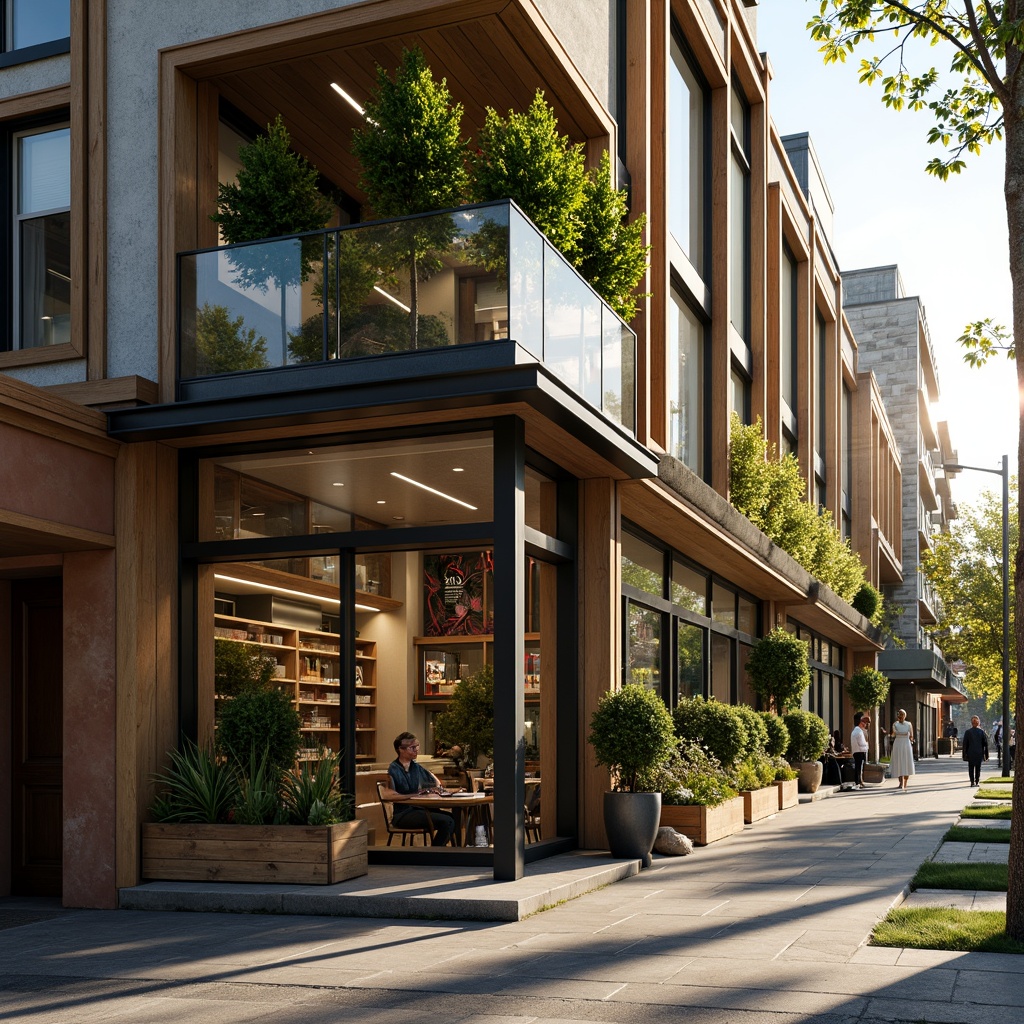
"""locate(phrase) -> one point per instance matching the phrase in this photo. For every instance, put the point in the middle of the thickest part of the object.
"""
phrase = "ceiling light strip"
(432, 490)
(291, 593)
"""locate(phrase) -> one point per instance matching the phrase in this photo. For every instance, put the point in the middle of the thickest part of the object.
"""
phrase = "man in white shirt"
(859, 746)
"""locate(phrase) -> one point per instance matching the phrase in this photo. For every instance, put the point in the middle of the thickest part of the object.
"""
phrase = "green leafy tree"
(778, 669)
(867, 688)
(978, 101)
(965, 567)
(224, 345)
(468, 721)
(631, 733)
(524, 158)
(260, 719)
(413, 160)
(770, 492)
(613, 256)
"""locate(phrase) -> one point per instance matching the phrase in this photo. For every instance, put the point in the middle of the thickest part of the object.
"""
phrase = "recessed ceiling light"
(398, 519)
(458, 469)
(337, 483)
(433, 490)
(381, 502)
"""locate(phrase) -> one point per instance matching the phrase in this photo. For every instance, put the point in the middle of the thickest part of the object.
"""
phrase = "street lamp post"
(953, 467)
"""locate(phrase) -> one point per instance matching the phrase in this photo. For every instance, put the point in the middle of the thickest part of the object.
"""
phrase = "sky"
(949, 239)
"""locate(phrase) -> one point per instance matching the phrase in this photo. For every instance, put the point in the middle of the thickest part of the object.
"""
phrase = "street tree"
(978, 101)
(965, 566)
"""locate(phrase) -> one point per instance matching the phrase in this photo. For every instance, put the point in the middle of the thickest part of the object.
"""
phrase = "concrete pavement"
(767, 926)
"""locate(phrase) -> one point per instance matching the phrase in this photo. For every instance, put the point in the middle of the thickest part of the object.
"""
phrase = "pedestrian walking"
(975, 750)
(901, 760)
(859, 746)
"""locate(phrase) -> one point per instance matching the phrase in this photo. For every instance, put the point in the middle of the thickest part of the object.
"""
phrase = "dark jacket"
(974, 744)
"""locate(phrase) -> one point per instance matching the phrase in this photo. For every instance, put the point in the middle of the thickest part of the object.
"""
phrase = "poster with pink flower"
(455, 591)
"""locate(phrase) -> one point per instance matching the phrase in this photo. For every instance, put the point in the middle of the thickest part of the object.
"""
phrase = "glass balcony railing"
(475, 274)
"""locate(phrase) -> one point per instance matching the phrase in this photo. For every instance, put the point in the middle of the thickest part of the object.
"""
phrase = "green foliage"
(523, 158)
(987, 811)
(965, 568)
(778, 734)
(715, 726)
(982, 339)
(783, 770)
(967, 834)
(778, 669)
(197, 788)
(808, 736)
(757, 731)
(770, 492)
(691, 776)
(868, 601)
(755, 771)
(313, 796)
(223, 345)
(468, 721)
(986, 877)
(631, 733)
(409, 146)
(237, 666)
(275, 192)
(867, 688)
(613, 256)
(259, 791)
(262, 718)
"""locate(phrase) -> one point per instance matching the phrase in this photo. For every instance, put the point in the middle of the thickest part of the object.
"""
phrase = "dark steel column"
(347, 662)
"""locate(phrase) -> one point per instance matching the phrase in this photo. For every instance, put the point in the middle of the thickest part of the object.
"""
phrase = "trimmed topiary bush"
(757, 731)
(867, 601)
(259, 719)
(715, 726)
(778, 669)
(778, 734)
(867, 688)
(808, 736)
(631, 733)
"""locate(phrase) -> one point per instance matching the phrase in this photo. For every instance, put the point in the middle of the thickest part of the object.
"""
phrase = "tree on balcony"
(413, 161)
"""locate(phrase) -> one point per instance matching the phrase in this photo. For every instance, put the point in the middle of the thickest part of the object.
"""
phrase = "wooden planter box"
(292, 854)
(789, 790)
(705, 824)
(759, 803)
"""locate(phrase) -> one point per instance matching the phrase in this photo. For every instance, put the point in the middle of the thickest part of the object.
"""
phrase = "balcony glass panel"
(476, 274)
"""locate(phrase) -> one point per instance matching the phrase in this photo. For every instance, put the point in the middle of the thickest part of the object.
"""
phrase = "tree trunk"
(1014, 193)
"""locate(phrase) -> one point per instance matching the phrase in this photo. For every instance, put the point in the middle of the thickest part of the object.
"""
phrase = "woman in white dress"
(901, 757)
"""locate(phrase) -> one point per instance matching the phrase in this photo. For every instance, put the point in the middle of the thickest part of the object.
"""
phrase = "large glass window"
(686, 385)
(788, 321)
(42, 237)
(821, 409)
(847, 460)
(687, 157)
(739, 215)
(31, 22)
(644, 664)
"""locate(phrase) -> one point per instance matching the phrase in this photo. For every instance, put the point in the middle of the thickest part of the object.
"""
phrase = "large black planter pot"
(631, 824)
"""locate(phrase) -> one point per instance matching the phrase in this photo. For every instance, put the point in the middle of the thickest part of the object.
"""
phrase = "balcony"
(372, 291)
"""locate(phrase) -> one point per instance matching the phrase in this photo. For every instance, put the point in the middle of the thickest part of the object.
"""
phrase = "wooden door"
(37, 747)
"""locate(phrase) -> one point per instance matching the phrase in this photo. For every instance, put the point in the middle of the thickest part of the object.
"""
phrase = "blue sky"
(948, 238)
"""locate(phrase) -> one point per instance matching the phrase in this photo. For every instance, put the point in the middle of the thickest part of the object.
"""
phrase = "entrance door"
(37, 746)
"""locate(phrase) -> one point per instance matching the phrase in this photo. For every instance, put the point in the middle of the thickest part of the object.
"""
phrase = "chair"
(410, 831)
(531, 815)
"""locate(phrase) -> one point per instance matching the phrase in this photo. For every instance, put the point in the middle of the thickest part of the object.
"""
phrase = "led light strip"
(292, 593)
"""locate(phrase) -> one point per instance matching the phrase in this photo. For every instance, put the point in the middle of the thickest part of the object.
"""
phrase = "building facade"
(410, 478)
(892, 331)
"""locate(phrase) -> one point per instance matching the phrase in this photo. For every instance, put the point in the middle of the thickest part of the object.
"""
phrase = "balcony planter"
(705, 824)
(291, 854)
(759, 803)
(788, 792)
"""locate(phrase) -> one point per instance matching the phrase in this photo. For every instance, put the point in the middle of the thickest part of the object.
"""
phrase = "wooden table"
(475, 807)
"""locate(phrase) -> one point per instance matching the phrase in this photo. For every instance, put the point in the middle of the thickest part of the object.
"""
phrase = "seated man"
(411, 779)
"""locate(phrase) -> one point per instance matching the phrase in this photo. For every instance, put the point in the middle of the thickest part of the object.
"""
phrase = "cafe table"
(465, 808)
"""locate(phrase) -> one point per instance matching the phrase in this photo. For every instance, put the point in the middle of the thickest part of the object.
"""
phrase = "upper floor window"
(739, 214)
(687, 158)
(40, 241)
(35, 23)
(820, 406)
(686, 384)
(847, 461)
(788, 325)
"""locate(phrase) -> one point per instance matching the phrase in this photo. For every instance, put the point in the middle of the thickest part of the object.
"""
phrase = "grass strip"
(932, 875)
(972, 931)
(998, 778)
(966, 834)
(981, 811)
(993, 794)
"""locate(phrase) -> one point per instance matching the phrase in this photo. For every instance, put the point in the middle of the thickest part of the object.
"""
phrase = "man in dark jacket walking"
(975, 748)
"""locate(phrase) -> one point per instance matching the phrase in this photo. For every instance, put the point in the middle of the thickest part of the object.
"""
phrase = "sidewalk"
(767, 926)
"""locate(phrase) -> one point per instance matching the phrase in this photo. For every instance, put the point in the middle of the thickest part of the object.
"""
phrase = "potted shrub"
(717, 727)
(697, 797)
(631, 733)
(808, 737)
(778, 669)
(467, 724)
(217, 822)
(755, 774)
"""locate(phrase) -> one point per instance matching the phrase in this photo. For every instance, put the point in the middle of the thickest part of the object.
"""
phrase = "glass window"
(820, 399)
(723, 605)
(30, 22)
(686, 385)
(689, 588)
(744, 691)
(746, 621)
(643, 565)
(721, 668)
(42, 237)
(690, 659)
(740, 400)
(739, 215)
(644, 646)
(788, 321)
(686, 157)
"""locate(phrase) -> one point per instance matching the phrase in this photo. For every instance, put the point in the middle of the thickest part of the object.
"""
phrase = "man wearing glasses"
(410, 779)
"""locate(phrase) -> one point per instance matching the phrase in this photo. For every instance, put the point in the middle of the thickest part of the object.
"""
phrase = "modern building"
(892, 333)
(414, 477)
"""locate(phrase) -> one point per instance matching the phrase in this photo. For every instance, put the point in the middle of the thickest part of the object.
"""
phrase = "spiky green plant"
(196, 788)
(313, 796)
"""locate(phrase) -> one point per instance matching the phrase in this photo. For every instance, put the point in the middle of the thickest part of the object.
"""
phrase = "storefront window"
(643, 565)
(690, 660)
(689, 588)
(644, 655)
